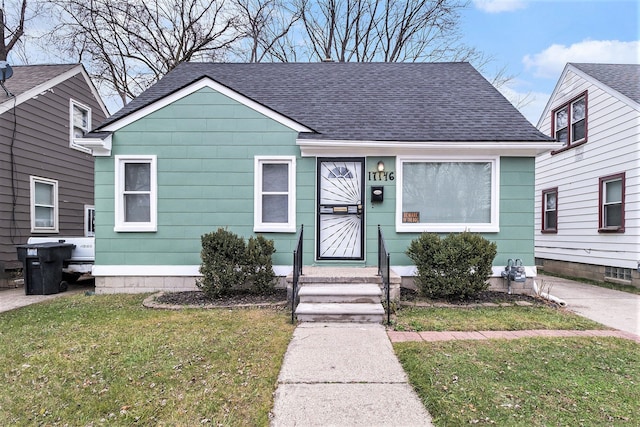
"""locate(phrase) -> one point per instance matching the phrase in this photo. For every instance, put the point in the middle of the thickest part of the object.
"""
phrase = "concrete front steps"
(340, 303)
(342, 294)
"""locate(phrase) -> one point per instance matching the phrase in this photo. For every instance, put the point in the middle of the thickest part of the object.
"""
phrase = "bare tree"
(129, 45)
(10, 33)
(384, 30)
(265, 27)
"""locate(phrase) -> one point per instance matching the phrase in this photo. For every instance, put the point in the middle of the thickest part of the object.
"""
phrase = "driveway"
(15, 297)
(619, 310)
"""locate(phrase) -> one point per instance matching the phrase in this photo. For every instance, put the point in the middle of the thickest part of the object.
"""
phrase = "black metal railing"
(297, 272)
(384, 271)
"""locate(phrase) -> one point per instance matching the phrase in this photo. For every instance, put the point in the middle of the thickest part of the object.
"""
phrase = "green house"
(340, 148)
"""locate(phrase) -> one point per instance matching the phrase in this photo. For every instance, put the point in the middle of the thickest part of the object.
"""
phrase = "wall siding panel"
(613, 146)
(41, 148)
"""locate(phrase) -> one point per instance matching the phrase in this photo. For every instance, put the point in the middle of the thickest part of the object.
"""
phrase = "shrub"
(229, 264)
(457, 266)
(259, 265)
(222, 259)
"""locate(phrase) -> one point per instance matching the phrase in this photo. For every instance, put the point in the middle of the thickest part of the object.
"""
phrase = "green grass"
(527, 382)
(86, 360)
(489, 319)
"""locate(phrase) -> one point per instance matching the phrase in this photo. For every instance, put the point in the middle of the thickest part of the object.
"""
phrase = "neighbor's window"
(447, 195)
(89, 221)
(550, 210)
(612, 203)
(618, 273)
(136, 193)
(274, 194)
(44, 205)
(80, 123)
(570, 122)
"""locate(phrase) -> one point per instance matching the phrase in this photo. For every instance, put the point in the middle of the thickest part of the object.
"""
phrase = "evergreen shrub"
(455, 267)
(229, 264)
(259, 265)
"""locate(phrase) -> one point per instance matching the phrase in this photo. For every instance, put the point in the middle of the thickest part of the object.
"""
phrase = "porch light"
(380, 166)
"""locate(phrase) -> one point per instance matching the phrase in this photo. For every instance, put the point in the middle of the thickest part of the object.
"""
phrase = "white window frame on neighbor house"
(34, 204)
(259, 224)
(402, 225)
(572, 123)
(549, 211)
(89, 220)
(606, 203)
(84, 127)
(121, 225)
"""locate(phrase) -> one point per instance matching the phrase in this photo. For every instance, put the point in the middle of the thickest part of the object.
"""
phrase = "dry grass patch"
(105, 359)
(527, 382)
(489, 319)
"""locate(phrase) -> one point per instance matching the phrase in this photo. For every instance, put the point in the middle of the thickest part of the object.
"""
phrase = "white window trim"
(87, 218)
(258, 225)
(491, 227)
(120, 224)
(72, 139)
(32, 186)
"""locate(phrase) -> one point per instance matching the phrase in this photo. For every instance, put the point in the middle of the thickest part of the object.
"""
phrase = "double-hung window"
(570, 122)
(550, 210)
(44, 205)
(274, 194)
(80, 123)
(135, 193)
(447, 195)
(612, 203)
(89, 220)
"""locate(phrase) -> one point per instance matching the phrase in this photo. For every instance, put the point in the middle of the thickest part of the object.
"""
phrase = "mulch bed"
(279, 296)
(487, 297)
(238, 298)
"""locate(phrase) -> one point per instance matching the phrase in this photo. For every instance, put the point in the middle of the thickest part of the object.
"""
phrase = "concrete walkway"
(615, 309)
(429, 336)
(344, 374)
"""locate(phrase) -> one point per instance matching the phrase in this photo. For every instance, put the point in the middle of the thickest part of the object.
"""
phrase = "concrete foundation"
(145, 284)
(585, 271)
(495, 284)
(141, 284)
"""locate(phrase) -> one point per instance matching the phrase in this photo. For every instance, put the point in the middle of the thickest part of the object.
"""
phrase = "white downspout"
(548, 296)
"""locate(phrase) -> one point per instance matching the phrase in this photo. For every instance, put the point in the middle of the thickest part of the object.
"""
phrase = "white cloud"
(497, 6)
(550, 62)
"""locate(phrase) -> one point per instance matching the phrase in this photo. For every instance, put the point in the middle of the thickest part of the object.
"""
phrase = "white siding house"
(588, 189)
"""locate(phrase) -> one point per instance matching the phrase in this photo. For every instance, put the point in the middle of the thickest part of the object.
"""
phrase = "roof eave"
(98, 142)
(324, 147)
(191, 88)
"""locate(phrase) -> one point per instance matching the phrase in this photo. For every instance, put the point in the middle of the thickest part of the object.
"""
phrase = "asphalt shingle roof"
(365, 101)
(26, 77)
(624, 78)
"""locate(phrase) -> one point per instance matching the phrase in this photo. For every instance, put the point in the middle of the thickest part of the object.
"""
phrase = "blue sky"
(533, 40)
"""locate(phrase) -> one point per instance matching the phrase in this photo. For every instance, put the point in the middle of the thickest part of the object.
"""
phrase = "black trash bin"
(42, 266)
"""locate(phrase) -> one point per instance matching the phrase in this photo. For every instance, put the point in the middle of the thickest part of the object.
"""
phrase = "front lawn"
(489, 319)
(89, 360)
(520, 382)
(526, 382)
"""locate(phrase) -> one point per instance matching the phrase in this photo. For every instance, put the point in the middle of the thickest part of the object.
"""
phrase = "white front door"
(340, 209)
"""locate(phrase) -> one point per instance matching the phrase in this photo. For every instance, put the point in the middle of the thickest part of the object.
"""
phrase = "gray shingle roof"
(365, 101)
(624, 78)
(26, 77)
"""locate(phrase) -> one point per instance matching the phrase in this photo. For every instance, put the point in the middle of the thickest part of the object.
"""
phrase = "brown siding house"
(46, 180)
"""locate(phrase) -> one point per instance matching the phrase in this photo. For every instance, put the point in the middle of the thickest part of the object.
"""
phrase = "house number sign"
(382, 176)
